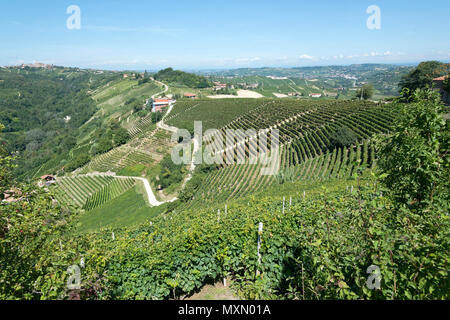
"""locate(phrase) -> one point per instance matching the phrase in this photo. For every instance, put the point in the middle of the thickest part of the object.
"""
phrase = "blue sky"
(194, 34)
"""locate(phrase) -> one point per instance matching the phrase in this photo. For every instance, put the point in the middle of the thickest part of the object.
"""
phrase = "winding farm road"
(161, 125)
(150, 194)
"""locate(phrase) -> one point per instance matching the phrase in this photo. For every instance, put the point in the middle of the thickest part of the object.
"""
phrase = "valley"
(150, 228)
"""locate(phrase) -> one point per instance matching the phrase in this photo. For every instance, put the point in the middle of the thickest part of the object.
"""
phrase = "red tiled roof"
(440, 78)
(47, 176)
(189, 95)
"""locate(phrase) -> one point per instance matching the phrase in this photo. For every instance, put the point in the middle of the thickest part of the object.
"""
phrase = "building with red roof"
(190, 95)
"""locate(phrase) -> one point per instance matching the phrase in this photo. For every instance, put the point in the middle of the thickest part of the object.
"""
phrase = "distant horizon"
(405, 64)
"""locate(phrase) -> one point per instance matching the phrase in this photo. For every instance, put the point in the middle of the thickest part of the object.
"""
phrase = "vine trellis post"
(260, 230)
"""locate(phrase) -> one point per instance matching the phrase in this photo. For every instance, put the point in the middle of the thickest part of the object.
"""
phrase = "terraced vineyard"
(76, 190)
(110, 191)
(307, 152)
(237, 181)
(141, 125)
(90, 191)
(214, 113)
(117, 159)
(307, 125)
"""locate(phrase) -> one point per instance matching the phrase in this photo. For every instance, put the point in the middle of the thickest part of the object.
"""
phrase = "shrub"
(343, 137)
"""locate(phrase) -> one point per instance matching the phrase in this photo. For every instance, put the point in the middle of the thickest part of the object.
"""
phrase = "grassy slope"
(128, 209)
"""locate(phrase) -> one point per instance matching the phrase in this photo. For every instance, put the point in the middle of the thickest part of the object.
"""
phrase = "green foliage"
(34, 105)
(447, 83)
(343, 137)
(414, 163)
(134, 170)
(179, 77)
(286, 175)
(78, 162)
(120, 136)
(6, 166)
(170, 173)
(414, 159)
(366, 92)
(156, 116)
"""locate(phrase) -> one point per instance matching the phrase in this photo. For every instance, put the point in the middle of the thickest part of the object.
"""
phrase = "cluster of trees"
(104, 140)
(143, 78)
(183, 78)
(170, 173)
(156, 116)
(447, 83)
(343, 137)
(135, 104)
(366, 92)
(422, 77)
(42, 113)
(109, 138)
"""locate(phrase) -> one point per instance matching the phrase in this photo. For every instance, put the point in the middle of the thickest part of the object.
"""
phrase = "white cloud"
(378, 54)
(244, 60)
(305, 57)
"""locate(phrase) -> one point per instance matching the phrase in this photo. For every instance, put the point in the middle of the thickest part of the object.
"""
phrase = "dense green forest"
(43, 110)
(182, 78)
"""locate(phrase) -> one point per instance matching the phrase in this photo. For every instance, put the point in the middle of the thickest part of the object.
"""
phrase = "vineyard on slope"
(307, 148)
(90, 191)
(109, 192)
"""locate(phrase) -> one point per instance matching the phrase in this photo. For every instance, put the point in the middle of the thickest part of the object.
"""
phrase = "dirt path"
(240, 94)
(160, 125)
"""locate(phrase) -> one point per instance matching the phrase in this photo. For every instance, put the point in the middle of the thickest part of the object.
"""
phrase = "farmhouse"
(159, 104)
(219, 86)
(48, 178)
(315, 95)
(190, 95)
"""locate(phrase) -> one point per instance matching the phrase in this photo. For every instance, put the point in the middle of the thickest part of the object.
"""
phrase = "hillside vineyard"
(356, 185)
